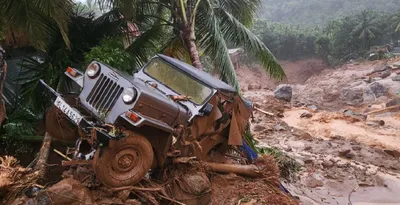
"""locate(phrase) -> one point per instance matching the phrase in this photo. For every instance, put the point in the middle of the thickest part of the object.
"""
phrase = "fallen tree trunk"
(3, 74)
(43, 156)
(246, 170)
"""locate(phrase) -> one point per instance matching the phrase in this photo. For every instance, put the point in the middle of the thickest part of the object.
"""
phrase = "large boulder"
(396, 78)
(378, 89)
(380, 67)
(284, 92)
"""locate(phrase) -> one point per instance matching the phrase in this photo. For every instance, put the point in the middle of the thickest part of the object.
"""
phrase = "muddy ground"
(346, 157)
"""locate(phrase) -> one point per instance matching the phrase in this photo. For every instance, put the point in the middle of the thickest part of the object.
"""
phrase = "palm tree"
(183, 28)
(366, 27)
(396, 21)
(37, 19)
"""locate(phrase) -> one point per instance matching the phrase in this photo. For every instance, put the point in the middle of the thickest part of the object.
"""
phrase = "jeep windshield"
(177, 81)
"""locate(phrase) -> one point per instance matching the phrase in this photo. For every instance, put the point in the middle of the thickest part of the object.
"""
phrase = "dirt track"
(339, 153)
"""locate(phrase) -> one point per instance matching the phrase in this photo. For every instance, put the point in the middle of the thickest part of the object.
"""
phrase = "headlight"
(128, 95)
(93, 70)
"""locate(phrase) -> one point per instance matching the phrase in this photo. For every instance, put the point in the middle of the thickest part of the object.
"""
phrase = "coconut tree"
(366, 28)
(183, 28)
(37, 19)
(396, 21)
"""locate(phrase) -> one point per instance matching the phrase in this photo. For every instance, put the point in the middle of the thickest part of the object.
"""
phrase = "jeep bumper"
(74, 115)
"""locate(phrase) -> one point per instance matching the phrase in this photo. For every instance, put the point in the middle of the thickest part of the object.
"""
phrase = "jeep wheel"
(126, 163)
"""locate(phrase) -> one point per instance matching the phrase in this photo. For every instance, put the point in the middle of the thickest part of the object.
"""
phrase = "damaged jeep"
(124, 125)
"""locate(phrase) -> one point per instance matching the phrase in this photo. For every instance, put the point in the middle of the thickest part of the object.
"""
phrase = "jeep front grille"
(104, 95)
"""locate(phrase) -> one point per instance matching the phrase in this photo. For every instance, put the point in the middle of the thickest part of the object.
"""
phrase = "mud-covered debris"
(306, 114)
(68, 191)
(393, 102)
(14, 178)
(393, 153)
(312, 107)
(312, 182)
(327, 164)
(375, 123)
(346, 154)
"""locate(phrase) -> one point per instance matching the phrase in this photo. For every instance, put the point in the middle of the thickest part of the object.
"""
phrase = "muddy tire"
(126, 163)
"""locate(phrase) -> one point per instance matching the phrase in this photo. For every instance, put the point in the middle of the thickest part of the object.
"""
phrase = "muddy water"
(329, 124)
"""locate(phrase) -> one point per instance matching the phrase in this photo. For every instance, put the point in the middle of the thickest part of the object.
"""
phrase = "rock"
(279, 127)
(259, 128)
(368, 95)
(312, 182)
(327, 164)
(348, 113)
(342, 164)
(308, 161)
(380, 67)
(396, 78)
(378, 89)
(347, 154)
(306, 114)
(393, 153)
(385, 74)
(284, 92)
(376, 79)
(307, 148)
(393, 102)
(356, 148)
(353, 95)
(254, 86)
(312, 107)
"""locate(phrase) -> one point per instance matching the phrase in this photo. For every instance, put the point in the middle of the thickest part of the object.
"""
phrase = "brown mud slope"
(297, 72)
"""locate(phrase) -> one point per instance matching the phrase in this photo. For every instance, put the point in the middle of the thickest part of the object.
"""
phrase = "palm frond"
(213, 43)
(38, 19)
(236, 33)
(148, 44)
(243, 10)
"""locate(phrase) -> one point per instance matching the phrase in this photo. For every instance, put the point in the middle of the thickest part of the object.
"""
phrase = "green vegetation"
(320, 12)
(348, 37)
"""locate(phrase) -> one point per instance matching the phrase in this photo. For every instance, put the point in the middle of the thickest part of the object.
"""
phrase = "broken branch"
(263, 111)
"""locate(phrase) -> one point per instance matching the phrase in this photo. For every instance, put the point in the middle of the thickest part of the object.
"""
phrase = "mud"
(346, 159)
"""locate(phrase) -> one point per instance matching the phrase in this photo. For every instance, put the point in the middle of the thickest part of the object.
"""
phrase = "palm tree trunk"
(3, 73)
(190, 41)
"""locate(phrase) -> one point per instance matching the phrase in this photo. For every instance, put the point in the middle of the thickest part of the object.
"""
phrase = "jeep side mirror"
(206, 110)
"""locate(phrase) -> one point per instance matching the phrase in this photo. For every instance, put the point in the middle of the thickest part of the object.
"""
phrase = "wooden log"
(43, 156)
(263, 111)
(246, 170)
(395, 108)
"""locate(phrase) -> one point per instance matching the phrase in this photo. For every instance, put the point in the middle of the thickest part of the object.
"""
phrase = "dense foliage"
(348, 37)
(319, 12)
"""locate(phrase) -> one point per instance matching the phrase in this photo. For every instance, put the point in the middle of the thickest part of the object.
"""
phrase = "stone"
(327, 164)
(259, 128)
(385, 74)
(306, 114)
(348, 113)
(396, 78)
(376, 79)
(307, 148)
(378, 89)
(254, 86)
(312, 182)
(393, 102)
(393, 153)
(353, 95)
(284, 92)
(308, 161)
(380, 67)
(356, 148)
(345, 153)
(279, 127)
(312, 107)
(342, 164)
